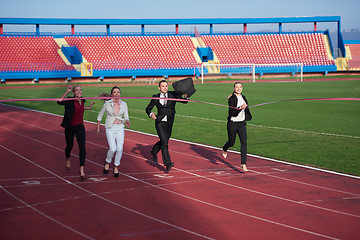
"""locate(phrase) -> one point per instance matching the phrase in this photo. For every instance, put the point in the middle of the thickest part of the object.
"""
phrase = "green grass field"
(324, 134)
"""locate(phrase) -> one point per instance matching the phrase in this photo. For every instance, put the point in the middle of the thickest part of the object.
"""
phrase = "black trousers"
(79, 132)
(239, 128)
(163, 130)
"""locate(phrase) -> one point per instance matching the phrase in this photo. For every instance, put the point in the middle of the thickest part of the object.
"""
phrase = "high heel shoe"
(68, 164)
(105, 171)
(224, 154)
(116, 174)
(244, 168)
(82, 177)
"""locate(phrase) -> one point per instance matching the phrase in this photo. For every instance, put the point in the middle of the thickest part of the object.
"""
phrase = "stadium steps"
(195, 53)
(342, 64)
(198, 42)
(328, 47)
(348, 52)
(61, 42)
(213, 69)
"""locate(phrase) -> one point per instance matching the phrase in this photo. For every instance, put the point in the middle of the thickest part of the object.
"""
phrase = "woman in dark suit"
(73, 123)
(239, 113)
(164, 120)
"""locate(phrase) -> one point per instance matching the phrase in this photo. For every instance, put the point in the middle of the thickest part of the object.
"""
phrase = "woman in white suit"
(117, 117)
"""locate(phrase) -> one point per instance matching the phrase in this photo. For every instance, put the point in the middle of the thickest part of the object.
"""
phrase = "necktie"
(164, 101)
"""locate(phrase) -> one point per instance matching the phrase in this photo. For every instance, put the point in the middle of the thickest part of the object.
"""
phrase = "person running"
(164, 121)
(117, 117)
(238, 114)
(73, 123)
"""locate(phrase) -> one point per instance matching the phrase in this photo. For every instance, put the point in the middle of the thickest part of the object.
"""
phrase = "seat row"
(157, 52)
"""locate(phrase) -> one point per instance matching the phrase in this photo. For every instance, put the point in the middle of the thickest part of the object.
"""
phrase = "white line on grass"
(262, 126)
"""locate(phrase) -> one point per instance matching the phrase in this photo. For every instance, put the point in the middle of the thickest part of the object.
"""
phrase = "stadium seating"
(354, 61)
(309, 49)
(30, 54)
(136, 52)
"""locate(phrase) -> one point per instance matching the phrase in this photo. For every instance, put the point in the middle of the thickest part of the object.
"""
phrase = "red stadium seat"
(30, 54)
(273, 48)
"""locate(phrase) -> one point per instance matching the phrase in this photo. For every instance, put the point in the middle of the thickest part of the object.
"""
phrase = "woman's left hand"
(127, 123)
(243, 106)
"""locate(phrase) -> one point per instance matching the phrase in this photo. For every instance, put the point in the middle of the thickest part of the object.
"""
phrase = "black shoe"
(154, 158)
(82, 177)
(168, 167)
(116, 174)
(105, 171)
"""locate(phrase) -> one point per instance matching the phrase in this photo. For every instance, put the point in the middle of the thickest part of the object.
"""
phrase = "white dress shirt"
(241, 116)
(162, 102)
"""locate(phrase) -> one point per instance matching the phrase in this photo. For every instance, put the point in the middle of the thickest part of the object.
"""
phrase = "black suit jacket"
(168, 110)
(69, 111)
(234, 112)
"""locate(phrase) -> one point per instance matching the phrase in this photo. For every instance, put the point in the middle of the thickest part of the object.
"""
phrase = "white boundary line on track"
(207, 146)
(170, 191)
(269, 195)
(91, 194)
(253, 155)
(252, 170)
(194, 199)
(42, 213)
(264, 158)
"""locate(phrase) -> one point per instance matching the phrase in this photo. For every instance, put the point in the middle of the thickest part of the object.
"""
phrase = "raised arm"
(66, 93)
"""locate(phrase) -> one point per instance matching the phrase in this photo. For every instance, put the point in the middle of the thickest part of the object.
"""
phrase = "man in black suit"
(163, 121)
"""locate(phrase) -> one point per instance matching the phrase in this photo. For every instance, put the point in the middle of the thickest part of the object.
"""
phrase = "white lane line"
(312, 185)
(191, 198)
(91, 193)
(45, 215)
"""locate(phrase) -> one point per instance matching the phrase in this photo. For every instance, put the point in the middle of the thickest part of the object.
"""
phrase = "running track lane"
(204, 196)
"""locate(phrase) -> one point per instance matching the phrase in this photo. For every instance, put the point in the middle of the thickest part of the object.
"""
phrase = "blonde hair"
(75, 86)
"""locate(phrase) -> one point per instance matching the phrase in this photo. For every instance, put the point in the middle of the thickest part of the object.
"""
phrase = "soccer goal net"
(295, 70)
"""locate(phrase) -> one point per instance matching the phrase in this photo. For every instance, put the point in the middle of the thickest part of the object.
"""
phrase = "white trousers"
(115, 138)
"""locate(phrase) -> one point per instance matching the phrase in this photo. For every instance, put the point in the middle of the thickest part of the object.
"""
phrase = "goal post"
(295, 69)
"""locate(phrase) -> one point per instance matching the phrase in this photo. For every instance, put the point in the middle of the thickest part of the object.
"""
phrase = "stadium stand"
(136, 52)
(309, 49)
(162, 52)
(354, 58)
(34, 55)
(30, 54)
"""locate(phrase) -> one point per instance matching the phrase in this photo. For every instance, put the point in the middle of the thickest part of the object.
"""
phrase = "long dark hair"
(102, 94)
(115, 87)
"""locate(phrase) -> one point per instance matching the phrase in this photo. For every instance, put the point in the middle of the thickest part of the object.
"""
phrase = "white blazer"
(108, 107)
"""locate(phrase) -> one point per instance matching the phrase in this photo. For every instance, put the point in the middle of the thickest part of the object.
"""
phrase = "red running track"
(203, 197)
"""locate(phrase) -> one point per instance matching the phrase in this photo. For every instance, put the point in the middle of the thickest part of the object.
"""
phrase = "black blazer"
(69, 111)
(168, 110)
(233, 101)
